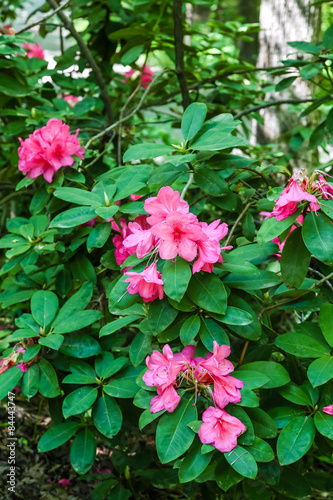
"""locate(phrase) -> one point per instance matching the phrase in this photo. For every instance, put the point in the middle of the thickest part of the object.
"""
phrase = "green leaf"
(132, 55)
(189, 329)
(193, 118)
(145, 151)
(176, 276)
(252, 380)
(31, 352)
(107, 416)
(83, 269)
(271, 228)
(242, 462)
(78, 196)
(308, 48)
(77, 321)
(30, 382)
(235, 316)
(261, 451)
(300, 345)
(276, 373)
(194, 463)
(12, 87)
(73, 217)
(160, 315)
(295, 440)
(8, 380)
(80, 346)
(210, 331)
(310, 70)
(83, 451)
(295, 259)
(116, 325)
(285, 83)
(328, 38)
(326, 322)
(214, 135)
(173, 436)
(44, 307)
(124, 386)
(234, 265)
(324, 424)
(79, 401)
(207, 291)
(251, 331)
(226, 476)
(210, 182)
(284, 414)
(146, 418)
(320, 371)
(53, 341)
(75, 303)
(48, 382)
(293, 484)
(318, 236)
(140, 347)
(79, 378)
(99, 236)
(263, 424)
(295, 394)
(107, 212)
(57, 435)
(266, 279)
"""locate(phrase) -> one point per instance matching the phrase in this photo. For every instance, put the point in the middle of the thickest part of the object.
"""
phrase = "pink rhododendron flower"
(34, 51)
(167, 399)
(71, 99)
(209, 250)
(165, 202)
(48, 149)
(328, 409)
(20, 350)
(276, 240)
(23, 367)
(7, 29)
(220, 429)
(135, 197)
(146, 75)
(178, 235)
(162, 368)
(65, 483)
(147, 284)
(140, 237)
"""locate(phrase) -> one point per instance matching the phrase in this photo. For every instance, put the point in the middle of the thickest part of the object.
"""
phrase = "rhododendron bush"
(167, 290)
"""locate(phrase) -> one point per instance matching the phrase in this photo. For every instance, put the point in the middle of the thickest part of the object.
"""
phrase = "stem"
(187, 185)
(241, 359)
(179, 52)
(271, 103)
(88, 55)
(13, 195)
(243, 212)
(321, 276)
(43, 19)
(256, 172)
(326, 278)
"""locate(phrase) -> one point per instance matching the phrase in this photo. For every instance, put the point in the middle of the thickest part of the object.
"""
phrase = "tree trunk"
(249, 12)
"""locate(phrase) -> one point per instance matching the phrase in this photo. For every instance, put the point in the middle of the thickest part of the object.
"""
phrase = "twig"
(187, 185)
(243, 212)
(179, 52)
(13, 195)
(321, 276)
(88, 55)
(256, 172)
(101, 154)
(269, 104)
(241, 359)
(130, 114)
(318, 283)
(43, 19)
(199, 199)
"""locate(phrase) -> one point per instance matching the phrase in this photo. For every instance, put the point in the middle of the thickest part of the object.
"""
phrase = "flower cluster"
(146, 75)
(71, 99)
(300, 188)
(48, 149)
(11, 360)
(34, 51)
(170, 230)
(167, 370)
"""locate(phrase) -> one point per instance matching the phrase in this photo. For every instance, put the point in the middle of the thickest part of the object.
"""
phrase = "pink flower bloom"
(162, 368)
(220, 429)
(146, 76)
(23, 367)
(64, 483)
(324, 187)
(165, 202)
(328, 409)
(121, 253)
(226, 390)
(20, 350)
(178, 234)
(48, 149)
(34, 50)
(288, 201)
(167, 399)
(135, 197)
(90, 223)
(147, 284)
(140, 237)
(276, 240)
(216, 363)
(209, 250)
(7, 29)
(71, 99)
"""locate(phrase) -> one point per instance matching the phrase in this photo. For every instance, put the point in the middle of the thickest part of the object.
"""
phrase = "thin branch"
(256, 172)
(88, 55)
(241, 359)
(43, 19)
(318, 283)
(321, 276)
(199, 199)
(239, 218)
(130, 114)
(14, 195)
(187, 185)
(179, 51)
(271, 103)
(102, 152)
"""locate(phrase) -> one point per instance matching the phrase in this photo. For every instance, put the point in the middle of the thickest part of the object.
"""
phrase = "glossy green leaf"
(48, 382)
(318, 236)
(77, 321)
(73, 217)
(79, 401)
(210, 331)
(160, 315)
(140, 347)
(176, 276)
(276, 373)
(300, 345)
(295, 259)
(80, 346)
(324, 424)
(83, 451)
(44, 307)
(321, 371)
(295, 440)
(8, 380)
(98, 236)
(192, 120)
(271, 228)
(194, 463)
(124, 385)
(207, 291)
(145, 151)
(189, 329)
(57, 435)
(107, 416)
(326, 322)
(242, 462)
(30, 382)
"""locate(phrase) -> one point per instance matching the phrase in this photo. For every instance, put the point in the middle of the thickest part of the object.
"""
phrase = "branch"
(243, 212)
(187, 185)
(43, 19)
(318, 283)
(179, 52)
(88, 55)
(321, 276)
(271, 103)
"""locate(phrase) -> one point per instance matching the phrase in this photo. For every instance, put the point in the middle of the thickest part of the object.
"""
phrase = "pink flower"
(220, 429)
(34, 51)
(48, 149)
(7, 29)
(146, 76)
(288, 200)
(165, 202)
(328, 410)
(167, 399)
(121, 253)
(209, 249)
(103, 471)
(140, 237)
(226, 390)
(23, 367)
(276, 240)
(20, 350)
(135, 197)
(71, 99)
(162, 368)
(147, 284)
(178, 235)
(64, 483)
